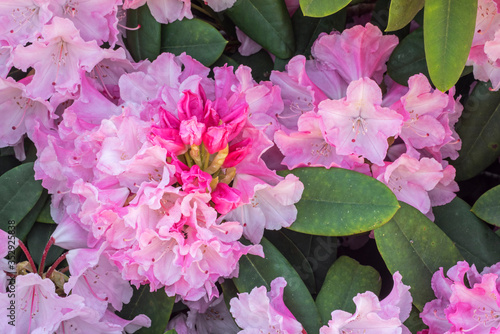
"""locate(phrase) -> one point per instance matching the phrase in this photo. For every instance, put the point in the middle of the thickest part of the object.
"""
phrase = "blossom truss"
(166, 179)
(336, 115)
(460, 308)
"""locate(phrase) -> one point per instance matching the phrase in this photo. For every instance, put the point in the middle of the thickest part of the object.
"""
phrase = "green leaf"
(478, 131)
(414, 323)
(322, 8)
(7, 162)
(448, 30)
(402, 12)
(195, 37)
(474, 239)
(156, 305)
(307, 29)
(37, 240)
(352, 202)
(487, 207)
(145, 42)
(267, 22)
(45, 216)
(172, 331)
(413, 245)
(293, 254)
(344, 280)
(256, 271)
(260, 63)
(24, 227)
(19, 192)
(408, 58)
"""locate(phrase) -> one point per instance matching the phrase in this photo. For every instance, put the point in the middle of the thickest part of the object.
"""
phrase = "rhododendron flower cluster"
(336, 115)
(485, 51)
(471, 306)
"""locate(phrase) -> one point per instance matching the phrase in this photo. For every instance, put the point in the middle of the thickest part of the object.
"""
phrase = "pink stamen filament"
(25, 109)
(55, 264)
(44, 256)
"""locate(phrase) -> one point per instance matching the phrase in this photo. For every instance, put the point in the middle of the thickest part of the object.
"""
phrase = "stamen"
(55, 264)
(28, 255)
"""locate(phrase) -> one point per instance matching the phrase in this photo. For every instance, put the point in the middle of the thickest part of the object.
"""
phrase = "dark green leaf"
(145, 42)
(25, 225)
(307, 29)
(448, 31)
(322, 8)
(45, 216)
(156, 305)
(474, 239)
(223, 59)
(37, 240)
(344, 280)
(340, 202)
(414, 323)
(487, 207)
(413, 245)
(296, 258)
(8, 162)
(408, 58)
(260, 63)
(195, 37)
(478, 130)
(402, 12)
(267, 22)
(19, 192)
(256, 271)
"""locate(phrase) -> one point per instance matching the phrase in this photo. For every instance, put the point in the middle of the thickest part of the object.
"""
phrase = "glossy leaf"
(156, 305)
(487, 207)
(293, 254)
(19, 192)
(195, 37)
(413, 245)
(267, 22)
(474, 239)
(448, 31)
(338, 202)
(344, 280)
(307, 29)
(402, 12)
(24, 227)
(145, 42)
(322, 8)
(256, 271)
(408, 58)
(478, 130)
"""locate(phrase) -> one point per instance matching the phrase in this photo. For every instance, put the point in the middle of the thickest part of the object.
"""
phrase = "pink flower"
(373, 316)
(357, 53)
(264, 311)
(357, 124)
(164, 11)
(57, 59)
(459, 308)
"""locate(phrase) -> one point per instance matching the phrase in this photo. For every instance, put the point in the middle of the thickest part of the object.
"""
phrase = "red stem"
(44, 256)
(28, 255)
(54, 266)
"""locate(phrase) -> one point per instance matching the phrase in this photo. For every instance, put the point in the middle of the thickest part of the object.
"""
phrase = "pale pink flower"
(357, 124)
(164, 11)
(260, 310)
(373, 316)
(57, 59)
(248, 46)
(411, 180)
